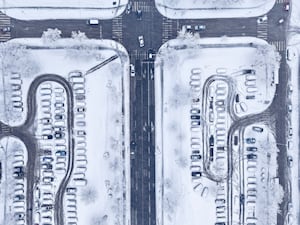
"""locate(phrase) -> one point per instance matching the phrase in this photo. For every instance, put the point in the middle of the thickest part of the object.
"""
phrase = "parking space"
(257, 172)
(13, 159)
(77, 80)
(52, 133)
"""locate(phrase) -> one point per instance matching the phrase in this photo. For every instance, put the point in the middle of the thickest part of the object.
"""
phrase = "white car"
(132, 70)
(141, 41)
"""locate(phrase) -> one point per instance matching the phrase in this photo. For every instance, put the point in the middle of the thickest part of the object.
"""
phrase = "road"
(156, 30)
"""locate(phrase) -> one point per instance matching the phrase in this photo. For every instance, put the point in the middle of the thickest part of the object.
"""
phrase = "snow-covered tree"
(89, 195)
(51, 35)
(78, 35)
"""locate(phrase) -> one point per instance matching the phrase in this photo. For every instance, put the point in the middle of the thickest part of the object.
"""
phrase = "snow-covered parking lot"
(183, 9)
(82, 138)
(209, 84)
(67, 9)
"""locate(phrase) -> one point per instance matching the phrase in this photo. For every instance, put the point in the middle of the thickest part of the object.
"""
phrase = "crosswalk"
(144, 6)
(167, 26)
(4, 22)
(280, 1)
(280, 45)
(136, 54)
(262, 30)
(100, 32)
(117, 29)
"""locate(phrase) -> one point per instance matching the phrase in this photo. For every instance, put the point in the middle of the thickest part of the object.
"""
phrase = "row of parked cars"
(53, 126)
(217, 118)
(71, 203)
(19, 201)
(16, 92)
(195, 117)
(77, 81)
(221, 204)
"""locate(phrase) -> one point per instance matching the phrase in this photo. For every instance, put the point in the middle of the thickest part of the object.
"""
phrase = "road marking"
(280, 45)
(139, 54)
(117, 29)
(100, 32)
(4, 22)
(167, 26)
(280, 1)
(262, 30)
(144, 6)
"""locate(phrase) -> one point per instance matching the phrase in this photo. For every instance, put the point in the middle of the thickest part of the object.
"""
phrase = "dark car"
(59, 116)
(251, 156)
(249, 71)
(252, 149)
(195, 157)
(196, 174)
(59, 135)
(139, 14)
(61, 153)
(250, 140)
(47, 166)
(195, 117)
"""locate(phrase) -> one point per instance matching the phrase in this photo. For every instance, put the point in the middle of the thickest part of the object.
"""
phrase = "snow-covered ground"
(68, 9)
(103, 193)
(255, 177)
(183, 9)
(13, 155)
(194, 76)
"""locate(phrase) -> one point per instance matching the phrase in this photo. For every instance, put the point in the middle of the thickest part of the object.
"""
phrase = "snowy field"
(100, 128)
(184, 9)
(69, 9)
(197, 84)
(13, 190)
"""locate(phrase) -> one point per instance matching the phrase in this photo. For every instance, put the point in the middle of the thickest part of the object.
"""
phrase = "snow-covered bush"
(78, 35)
(51, 35)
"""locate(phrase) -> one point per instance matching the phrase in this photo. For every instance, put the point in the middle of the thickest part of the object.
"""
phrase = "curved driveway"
(24, 133)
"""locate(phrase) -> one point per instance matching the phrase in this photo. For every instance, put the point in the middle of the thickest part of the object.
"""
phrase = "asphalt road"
(157, 30)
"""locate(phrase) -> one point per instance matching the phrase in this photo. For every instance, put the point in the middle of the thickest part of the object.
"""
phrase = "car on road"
(93, 21)
(200, 27)
(287, 6)
(280, 21)
(139, 14)
(290, 161)
(262, 19)
(132, 70)
(141, 41)
(129, 7)
(289, 108)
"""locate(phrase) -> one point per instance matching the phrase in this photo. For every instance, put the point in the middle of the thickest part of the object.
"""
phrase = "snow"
(11, 152)
(293, 141)
(107, 170)
(263, 204)
(196, 9)
(183, 68)
(69, 9)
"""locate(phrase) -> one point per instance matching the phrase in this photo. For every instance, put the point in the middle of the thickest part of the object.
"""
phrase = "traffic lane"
(35, 28)
(276, 30)
(149, 27)
(218, 27)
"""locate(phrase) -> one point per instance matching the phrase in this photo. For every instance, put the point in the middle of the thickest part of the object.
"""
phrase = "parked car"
(250, 140)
